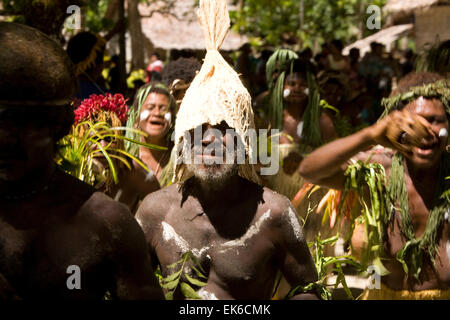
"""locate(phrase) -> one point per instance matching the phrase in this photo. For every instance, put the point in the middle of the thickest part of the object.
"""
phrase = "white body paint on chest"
(169, 234)
(206, 295)
(252, 231)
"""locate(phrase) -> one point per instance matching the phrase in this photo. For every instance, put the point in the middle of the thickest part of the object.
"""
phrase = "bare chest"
(420, 205)
(245, 259)
(45, 261)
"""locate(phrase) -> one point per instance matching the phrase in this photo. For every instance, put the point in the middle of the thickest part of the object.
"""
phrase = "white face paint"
(443, 133)
(420, 102)
(144, 115)
(168, 117)
(286, 93)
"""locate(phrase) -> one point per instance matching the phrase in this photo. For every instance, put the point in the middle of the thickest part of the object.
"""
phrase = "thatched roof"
(182, 31)
(385, 36)
(409, 6)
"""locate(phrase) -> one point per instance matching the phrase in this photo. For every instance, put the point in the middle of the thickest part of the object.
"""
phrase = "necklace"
(410, 256)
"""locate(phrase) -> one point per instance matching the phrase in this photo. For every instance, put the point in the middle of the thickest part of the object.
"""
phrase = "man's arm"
(326, 165)
(135, 277)
(149, 215)
(136, 184)
(296, 262)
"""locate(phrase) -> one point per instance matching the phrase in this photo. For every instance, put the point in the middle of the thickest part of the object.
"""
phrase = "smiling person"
(305, 125)
(414, 136)
(132, 184)
(153, 112)
(59, 238)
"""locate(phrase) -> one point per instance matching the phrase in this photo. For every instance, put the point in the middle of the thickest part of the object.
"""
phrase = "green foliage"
(176, 279)
(311, 117)
(412, 253)
(326, 266)
(77, 151)
(276, 74)
(439, 90)
(371, 177)
(95, 20)
(278, 22)
(266, 19)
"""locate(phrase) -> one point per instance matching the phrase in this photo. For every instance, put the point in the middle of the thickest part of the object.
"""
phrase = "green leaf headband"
(278, 62)
(439, 90)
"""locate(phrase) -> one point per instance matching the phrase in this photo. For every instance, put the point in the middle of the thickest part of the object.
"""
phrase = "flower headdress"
(108, 108)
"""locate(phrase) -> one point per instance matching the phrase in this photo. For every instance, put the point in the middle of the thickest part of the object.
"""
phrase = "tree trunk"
(361, 23)
(301, 16)
(136, 35)
(122, 54)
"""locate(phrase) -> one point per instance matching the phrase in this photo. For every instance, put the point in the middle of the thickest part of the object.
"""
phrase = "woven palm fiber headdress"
(216, 93)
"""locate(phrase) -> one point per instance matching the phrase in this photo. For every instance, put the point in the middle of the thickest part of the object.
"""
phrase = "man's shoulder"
(278, 204)
(283, 216)
(159, 202)
(165, 195)
(90, 209)
(103, 209)
(89, 200)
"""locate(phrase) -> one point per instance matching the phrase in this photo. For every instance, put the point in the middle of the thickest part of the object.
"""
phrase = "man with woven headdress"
(415, 234)
(59, 239)
(239, 233)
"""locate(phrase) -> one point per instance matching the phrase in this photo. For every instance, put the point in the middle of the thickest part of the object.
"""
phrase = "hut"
(431, 18)
(425, 21)
(180, 30)
(387, 37)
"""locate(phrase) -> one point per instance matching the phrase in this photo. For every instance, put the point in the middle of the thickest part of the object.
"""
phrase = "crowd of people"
(92, 177)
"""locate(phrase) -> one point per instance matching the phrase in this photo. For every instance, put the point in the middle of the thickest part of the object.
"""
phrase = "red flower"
(95, 103)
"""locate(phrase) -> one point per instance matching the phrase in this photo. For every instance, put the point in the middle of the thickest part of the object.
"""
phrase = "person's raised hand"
(401, 130)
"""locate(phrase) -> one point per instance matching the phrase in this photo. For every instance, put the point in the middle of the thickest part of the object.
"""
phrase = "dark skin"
(241, 237)
(326, 166)
(135, 184)
(58, 221)
(296, 103)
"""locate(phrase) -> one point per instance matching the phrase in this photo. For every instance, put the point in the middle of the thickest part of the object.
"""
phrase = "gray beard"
(213, 177)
